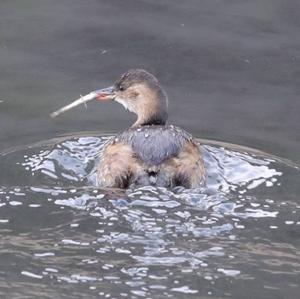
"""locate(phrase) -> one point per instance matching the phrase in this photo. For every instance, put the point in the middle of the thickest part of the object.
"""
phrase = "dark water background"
(232, 73)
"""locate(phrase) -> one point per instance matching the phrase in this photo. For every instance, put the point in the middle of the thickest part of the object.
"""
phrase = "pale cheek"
(127, 104)
(131, 94)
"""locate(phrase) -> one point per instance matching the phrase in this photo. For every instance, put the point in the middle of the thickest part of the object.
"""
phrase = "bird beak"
(101, 95)
(105, 94)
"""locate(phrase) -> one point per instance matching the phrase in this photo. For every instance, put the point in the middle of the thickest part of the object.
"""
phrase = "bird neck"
(156, 119)
(154, 111)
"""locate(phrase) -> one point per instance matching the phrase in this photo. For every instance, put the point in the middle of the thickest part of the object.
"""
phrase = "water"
(231, 71)
(61, 237)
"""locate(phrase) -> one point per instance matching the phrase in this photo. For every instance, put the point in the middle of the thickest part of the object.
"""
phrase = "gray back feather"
(154, 144)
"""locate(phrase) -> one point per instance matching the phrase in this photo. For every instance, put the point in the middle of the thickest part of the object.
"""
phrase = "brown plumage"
(151, 155)
(150, 152)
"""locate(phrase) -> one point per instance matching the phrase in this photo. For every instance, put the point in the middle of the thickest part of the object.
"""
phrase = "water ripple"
(58, 229)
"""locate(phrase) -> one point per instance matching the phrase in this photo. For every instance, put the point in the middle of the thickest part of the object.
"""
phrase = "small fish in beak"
(101, 95)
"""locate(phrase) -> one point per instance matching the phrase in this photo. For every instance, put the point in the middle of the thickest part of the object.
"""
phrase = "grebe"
(150, 152)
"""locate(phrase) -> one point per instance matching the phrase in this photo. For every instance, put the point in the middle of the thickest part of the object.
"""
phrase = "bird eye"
(121, 88)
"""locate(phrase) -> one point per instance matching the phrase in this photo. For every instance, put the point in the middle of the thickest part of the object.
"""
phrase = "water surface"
(231, 71)
(63, 237)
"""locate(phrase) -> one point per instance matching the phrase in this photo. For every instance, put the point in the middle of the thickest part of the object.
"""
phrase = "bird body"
(156, 155)
(150, 152)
